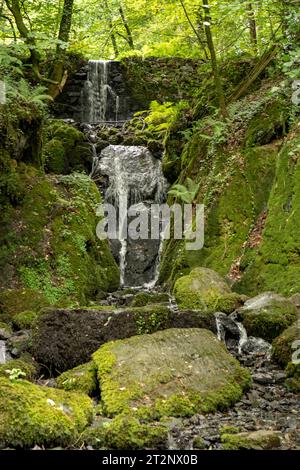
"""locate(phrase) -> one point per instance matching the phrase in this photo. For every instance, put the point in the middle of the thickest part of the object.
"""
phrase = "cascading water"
(96, 93)
(135, 181)
(2, 352)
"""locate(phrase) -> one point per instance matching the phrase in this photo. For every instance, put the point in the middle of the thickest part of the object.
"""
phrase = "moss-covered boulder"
(256, 440)
(126, 432)
(27, 367)
(65, 149)
(33, 415)
(80, 379)
(282, 347)
(267, 315)
(65, 338)
(51, 252)
(177, 372)
(205, 290)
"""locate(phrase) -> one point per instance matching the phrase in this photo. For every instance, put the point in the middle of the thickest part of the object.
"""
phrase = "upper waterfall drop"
(98, 98)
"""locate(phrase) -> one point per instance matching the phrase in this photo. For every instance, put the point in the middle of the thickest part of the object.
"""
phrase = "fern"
(186, 194)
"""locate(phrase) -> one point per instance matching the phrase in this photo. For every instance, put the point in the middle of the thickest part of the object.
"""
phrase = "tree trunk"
(127, 29)
(111, 30)
(15, 9)
(213, 58)
(252, 26)
(58, 73)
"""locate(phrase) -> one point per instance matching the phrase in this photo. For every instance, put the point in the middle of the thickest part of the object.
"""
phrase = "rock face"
(267, 315)
(65, 338)
(177, 372)
(204, 289)
(33, 415)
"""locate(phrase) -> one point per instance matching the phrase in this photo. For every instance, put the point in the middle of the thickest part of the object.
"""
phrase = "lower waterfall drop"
(135, 182)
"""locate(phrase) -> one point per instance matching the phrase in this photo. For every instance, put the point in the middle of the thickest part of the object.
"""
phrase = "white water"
(2, 352)
(96, 92)
(243, 336)
(135, 176)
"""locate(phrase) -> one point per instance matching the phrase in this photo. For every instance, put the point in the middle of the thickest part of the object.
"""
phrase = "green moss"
(293, 377)
(269, 123)
(33, 415)
(198, 443)
(81, 379)
(144, 298)
(275, 264)
(16, 301)
(258, 440)
(126, 433)
(56, 251)
(205, 290)
(5, 327)
(64, 148)
(229, 429)
(29, 368)
(151, 318)
(25, 320)
(282, 347)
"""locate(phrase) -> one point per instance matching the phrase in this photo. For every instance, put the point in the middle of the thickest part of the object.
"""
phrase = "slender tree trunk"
(111, 30)
(213, 58)
(127, 29)
(252, 26)
(58, 73)
(197, 33)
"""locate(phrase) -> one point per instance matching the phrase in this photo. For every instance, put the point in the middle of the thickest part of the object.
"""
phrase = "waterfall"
(96, 93)
(135, 181)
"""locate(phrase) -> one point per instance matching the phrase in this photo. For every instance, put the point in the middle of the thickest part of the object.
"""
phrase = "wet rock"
(19, 343)
(4, 334)
(256, 346)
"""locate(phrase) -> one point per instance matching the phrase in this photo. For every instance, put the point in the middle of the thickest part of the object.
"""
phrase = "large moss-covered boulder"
(267, 315)
(82, 378)
(205, 290)
(33, 415)
(177, 372)
(51, 252)
(66, 338)
(282, 347)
